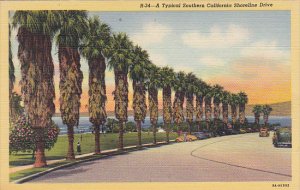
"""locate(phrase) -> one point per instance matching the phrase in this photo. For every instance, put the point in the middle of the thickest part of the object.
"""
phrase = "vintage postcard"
(150, 94)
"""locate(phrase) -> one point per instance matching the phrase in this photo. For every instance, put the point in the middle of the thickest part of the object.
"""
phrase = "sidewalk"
(20, 168)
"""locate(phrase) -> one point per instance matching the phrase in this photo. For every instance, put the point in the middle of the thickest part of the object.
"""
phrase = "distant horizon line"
(212, 106)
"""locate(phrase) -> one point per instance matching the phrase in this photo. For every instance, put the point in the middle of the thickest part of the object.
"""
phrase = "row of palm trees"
(76, 35)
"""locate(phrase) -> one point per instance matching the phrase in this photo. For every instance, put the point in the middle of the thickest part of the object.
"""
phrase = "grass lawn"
(27, 172)
(107, 141)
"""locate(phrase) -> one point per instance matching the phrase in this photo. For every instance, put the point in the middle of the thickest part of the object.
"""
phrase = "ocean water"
(84, 124)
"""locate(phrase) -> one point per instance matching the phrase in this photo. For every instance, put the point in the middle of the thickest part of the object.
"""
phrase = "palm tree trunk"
(11, 78)
(167, 109)
(233, 114)
(178, 115)
(189, 110)
(121, 102)
(70, 154)
(256, 119)
(216, 115)
(199, 111)
(208, 113)
(37, 70)
(97, 139)
(167, 133)
(40, 159)
(225, 113)
(139, 131)
(190, 128)
(121, 133)
(97, 96)
(153, 109)
(154, 132)
(242, 113)
(33, 154)
(139, 107)
(70, 91)
(266, 119)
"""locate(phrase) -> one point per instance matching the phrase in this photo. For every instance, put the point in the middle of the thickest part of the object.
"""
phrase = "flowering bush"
(23, 138)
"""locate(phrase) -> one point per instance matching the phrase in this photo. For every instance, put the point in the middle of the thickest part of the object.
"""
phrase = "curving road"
(244, 157)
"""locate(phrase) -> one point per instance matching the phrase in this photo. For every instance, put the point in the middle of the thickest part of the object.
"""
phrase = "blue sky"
(165, 34)
(237, 49)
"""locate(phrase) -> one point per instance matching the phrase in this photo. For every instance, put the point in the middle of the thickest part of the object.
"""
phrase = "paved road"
(231, 158)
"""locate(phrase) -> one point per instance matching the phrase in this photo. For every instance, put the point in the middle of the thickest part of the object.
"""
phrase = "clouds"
(152, 33)
(247, 50)
(158, 59)
(217, 37)
(211, 61)
(265, 50)
(262, 57)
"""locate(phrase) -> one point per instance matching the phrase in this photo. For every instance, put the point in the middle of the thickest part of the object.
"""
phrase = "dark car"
(221, 132)
(282, 137)
(264, 132)
(228, 131)
(235, 132)
(249, 130)
(207, 133)
(201, 135)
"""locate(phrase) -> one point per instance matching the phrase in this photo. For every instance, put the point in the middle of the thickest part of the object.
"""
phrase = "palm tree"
(243, 100)
(190, 90)
(73, 27)
(225, 99)
(200, 89)
(35, 32)
(12, 77)
(17, 108)
(234, 101)
(153, 84)
(266, 109)
(207, 99)
(119, 62)
(138, 74)
(94, 49)
(167, 79)
(257, 110)
(179, 87)
(217, 95)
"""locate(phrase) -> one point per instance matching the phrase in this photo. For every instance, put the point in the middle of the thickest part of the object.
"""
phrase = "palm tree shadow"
(29, 160)
(21, 162)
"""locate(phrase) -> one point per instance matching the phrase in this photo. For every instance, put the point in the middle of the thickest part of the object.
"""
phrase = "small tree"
(266, 109)
(111, 123)
(257, 110)
(16, 108)
(23, 138)
(130, 127)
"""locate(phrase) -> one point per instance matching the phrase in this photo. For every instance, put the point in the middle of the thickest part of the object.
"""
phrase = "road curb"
(87, 159)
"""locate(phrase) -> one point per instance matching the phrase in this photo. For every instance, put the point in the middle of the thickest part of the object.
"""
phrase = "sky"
(242, 51)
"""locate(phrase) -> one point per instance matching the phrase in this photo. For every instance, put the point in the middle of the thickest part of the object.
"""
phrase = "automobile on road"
(242, 131)
(201, 135)
(264, 132)
(187, 138)
(282, 137)
(249, 130)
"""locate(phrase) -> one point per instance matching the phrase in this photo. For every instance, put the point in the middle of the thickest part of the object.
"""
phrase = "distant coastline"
(279, 109)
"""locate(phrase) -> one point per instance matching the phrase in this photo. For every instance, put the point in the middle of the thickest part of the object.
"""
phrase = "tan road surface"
(244, 157)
